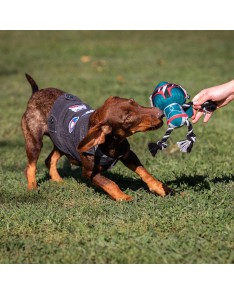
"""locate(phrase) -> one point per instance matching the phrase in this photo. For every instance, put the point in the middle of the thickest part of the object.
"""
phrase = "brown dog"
(96, 140)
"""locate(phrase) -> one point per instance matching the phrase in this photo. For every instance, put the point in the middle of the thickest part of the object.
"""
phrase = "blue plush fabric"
(170, 98)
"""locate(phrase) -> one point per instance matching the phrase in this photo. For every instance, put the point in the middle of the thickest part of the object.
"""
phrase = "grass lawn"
(74, 222)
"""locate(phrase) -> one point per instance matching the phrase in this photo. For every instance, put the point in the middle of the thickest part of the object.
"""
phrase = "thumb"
(200, 98)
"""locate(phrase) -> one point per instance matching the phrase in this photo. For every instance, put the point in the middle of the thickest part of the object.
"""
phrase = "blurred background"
(76, 223)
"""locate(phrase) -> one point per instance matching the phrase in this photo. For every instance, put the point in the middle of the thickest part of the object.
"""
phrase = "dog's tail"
(32, 83)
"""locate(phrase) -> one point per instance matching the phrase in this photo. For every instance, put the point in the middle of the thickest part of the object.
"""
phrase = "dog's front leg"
(109, 186)
(132, 162)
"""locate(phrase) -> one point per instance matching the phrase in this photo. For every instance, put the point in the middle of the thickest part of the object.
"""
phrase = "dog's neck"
(113, 142)
(95, 118)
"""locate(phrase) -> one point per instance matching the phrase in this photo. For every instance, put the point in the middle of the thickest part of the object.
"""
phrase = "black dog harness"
(68, 124)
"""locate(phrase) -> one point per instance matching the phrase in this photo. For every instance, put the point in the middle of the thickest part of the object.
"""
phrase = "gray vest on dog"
(68, 124)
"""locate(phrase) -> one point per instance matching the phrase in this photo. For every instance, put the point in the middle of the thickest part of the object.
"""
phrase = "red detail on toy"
(167, 87)
(176, 116)
(161, 90)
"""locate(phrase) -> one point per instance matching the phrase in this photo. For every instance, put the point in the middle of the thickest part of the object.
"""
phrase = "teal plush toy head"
(171, 99)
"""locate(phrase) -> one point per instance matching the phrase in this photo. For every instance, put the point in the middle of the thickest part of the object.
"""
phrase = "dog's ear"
(96, 135)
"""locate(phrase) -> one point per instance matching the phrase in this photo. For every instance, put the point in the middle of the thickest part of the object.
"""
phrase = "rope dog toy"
(171, 99)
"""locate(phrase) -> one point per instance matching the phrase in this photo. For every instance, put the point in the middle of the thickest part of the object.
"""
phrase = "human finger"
(194, 113)
(200, 98)
(197, 116)
(207, 117)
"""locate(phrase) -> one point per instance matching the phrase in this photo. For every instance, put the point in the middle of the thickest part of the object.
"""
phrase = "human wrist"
(226, 89)
(231, 86)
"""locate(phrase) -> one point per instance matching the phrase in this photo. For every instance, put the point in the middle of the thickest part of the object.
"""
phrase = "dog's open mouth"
(157, 126)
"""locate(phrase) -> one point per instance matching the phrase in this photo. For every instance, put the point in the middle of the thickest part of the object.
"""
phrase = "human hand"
(221, 95)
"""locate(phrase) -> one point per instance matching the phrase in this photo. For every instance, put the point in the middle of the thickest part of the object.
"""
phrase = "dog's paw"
(124, 198)
(56, 179)
(32, 186)
(161, 189)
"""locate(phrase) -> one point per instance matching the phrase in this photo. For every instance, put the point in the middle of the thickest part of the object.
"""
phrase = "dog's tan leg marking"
(33, 145)
(154, 185)
(51, 163)
(109, 186)
(30, 173)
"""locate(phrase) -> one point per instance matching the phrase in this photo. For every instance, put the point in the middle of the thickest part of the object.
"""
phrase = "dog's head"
(121, 118)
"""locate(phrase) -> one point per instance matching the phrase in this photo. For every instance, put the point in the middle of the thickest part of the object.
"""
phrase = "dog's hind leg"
(51, 163)
(33, 145)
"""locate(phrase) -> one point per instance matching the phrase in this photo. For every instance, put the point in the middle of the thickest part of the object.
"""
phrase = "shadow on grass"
(196, 182)
(224, 179)
(123, 182)
(200, 182)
